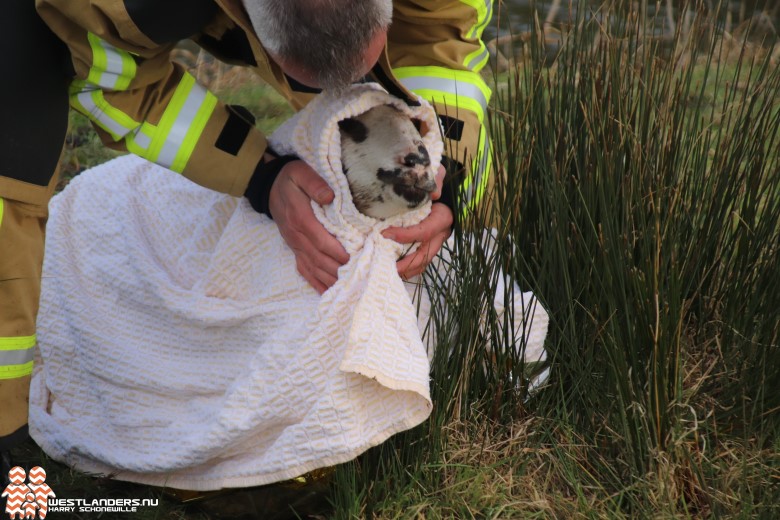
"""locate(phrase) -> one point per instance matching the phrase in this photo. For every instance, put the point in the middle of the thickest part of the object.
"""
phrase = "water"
(516, 16)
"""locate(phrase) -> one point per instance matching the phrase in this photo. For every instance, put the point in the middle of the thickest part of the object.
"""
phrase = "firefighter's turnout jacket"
(142, 102)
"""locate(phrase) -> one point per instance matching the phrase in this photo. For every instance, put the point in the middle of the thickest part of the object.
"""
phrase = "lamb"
(386, 164)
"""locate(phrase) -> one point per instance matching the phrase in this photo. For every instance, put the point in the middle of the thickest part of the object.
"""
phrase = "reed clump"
(638, 195)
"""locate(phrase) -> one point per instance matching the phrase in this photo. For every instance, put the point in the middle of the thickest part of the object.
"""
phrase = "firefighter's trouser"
(33, 122)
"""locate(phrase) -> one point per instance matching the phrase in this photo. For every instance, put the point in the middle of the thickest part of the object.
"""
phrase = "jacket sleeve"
(140, 101)
(435, 48)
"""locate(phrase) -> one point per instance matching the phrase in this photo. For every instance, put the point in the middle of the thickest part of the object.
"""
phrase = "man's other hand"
(318, 255)
(431, 233)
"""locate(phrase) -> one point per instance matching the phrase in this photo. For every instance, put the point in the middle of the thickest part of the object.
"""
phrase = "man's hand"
(431, 233)
(318, 255)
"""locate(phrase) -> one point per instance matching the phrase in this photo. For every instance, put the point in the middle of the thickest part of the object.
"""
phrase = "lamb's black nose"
(420, 157)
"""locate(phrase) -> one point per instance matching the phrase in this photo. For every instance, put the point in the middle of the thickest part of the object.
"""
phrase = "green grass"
(641, 188)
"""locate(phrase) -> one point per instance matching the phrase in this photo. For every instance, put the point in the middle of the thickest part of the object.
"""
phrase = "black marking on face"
(413, 196)
(353, 128)
(421, 158)
(389, 176)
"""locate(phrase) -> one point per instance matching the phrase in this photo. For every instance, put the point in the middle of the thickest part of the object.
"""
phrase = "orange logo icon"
(30, 500)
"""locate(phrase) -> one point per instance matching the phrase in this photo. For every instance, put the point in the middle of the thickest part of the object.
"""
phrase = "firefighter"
(33, 122)
(110, 60)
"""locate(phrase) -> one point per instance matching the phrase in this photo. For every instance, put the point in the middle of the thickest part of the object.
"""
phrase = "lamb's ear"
(420, 125)
(353, 128)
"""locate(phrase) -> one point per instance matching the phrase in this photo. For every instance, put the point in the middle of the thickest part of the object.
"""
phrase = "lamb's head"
(386, 162)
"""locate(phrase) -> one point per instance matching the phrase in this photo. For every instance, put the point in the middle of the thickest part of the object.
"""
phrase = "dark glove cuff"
(453, 171)
(258, 191)
(447, 197)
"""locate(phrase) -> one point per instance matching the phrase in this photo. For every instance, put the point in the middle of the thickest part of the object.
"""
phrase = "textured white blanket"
(178, 346)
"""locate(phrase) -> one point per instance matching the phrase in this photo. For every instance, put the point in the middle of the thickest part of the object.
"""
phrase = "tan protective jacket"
(140, 101)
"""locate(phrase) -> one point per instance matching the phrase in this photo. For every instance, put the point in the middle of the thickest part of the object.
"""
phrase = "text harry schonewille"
(103, 505)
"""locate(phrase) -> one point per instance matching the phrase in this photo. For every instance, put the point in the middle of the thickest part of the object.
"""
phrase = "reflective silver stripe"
(141, 139)
(450, 86)
(113, 73)
(488, 16)
(476, 60)
(480, 25)
(112, 68)
(16, 357)
(96, 113)
(181, 125)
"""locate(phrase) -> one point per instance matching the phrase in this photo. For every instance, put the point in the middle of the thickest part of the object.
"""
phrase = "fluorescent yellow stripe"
(18, 342)
(77, 86)
(476, 60)
(111, 68)
(99, 59)
(129, 68)
(454, 100)
(480, 7)
(116, 115)
(16, 356)
(462, 89)
(16, 371)
(15, 348)
(169, 116)
(480, 27)
(92, 104)
(172, 141)
(194, 132)
(140, 140)
(181, 125)
(484, 9)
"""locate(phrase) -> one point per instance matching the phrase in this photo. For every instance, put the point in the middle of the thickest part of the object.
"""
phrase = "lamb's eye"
(417, 124)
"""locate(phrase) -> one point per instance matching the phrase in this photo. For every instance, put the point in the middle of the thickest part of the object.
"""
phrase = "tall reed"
(638, 195)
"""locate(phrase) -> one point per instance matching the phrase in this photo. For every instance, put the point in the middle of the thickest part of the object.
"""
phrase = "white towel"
(179, 347)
